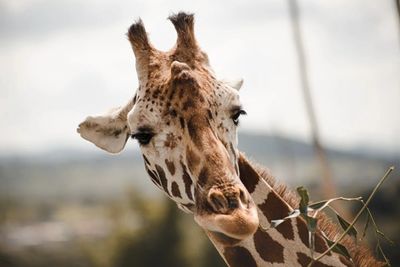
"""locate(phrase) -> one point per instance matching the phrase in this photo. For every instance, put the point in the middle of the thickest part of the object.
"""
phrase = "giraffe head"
(185, 121)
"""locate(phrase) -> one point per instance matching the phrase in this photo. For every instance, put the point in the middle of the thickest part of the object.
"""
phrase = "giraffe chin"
(223, 239)
(230, 229)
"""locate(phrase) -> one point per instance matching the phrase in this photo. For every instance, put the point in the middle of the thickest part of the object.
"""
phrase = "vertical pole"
(397, 3)
(327, 185)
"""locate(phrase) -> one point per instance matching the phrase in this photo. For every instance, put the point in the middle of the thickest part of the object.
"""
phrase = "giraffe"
(185, 120)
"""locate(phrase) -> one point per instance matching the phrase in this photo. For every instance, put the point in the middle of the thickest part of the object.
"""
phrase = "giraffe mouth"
(233, 227)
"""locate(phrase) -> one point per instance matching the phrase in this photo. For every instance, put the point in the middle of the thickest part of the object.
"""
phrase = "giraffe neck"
(287, 244)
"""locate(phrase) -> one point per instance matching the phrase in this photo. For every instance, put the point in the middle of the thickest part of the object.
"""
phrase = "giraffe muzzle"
(226, 201)
(233, 216)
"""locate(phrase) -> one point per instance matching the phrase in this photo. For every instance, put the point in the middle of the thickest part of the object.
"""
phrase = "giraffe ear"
(109, 131)
(235, 84)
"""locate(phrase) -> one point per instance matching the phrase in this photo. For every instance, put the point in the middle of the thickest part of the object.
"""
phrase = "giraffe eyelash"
(143, 137)
(237, 114)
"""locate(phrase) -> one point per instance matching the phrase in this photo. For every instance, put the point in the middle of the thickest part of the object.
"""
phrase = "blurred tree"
(158, 244)
(397, 4)
(6, 260)
(328, 188)
(211, 257)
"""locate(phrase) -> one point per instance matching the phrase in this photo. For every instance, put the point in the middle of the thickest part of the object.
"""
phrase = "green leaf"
(304, 199)
(311, 223)
(311, 241)
(339, 248)
(312, 227)
(352, 231)
(342, 250)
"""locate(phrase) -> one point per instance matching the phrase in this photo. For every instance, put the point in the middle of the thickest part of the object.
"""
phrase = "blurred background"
(322, 93)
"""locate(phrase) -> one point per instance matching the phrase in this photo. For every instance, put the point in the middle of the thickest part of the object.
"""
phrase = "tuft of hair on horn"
(184, 24)
(137, 35)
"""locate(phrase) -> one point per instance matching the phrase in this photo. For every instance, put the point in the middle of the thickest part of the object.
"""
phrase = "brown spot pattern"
(203, 176)
(163, 179)
(175, 190)
(117, 132)
(189, 103)
(187, 181)
(248, 175)
(320, 244)
(182, 122)
(195, 125)
(239, 257)
(170, 141)
(146, 160)
(170, 166)
(209, 114)
(172, 112)
(274, 208)
(152, 176)
(304, 260)
(192, 129)
(268, 249)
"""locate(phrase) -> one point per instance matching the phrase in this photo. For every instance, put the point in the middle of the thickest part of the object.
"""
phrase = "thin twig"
(357, 216)
(377, 230)
(329, 201)
(378, 234)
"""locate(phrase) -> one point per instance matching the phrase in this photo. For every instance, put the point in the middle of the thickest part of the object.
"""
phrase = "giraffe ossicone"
(185, 121)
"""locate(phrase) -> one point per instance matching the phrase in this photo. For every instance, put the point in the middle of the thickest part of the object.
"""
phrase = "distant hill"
(81, 174)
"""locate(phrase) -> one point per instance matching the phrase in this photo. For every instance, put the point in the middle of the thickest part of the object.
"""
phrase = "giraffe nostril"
(233, 203)
(226, 201)
(218, 201)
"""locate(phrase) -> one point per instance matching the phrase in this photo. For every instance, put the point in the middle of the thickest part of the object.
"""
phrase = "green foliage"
(338, 248)
(309, 213)
(345, 225)
(156, 245)
(211, 257)
(139, 231)
(303, 193)
(378, 236)
(161, 239)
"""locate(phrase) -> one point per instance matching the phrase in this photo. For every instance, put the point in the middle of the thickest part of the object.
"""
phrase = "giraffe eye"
(236, 115)
(143, 137)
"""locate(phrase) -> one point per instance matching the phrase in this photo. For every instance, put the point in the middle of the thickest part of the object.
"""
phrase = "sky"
(61, 61)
